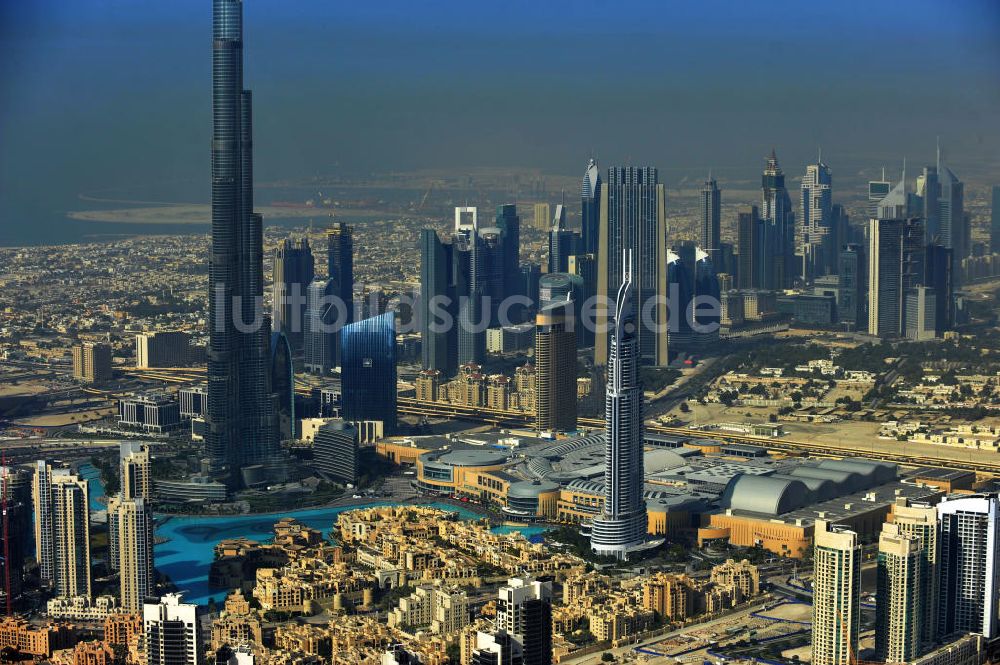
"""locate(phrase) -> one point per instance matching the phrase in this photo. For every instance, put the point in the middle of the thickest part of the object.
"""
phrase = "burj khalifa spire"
(240, 416)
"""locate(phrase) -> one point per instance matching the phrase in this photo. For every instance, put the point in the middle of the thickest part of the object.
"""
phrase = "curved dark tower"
(240, 418)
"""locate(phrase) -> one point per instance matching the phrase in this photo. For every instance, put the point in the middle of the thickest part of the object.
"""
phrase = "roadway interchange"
(410, 406)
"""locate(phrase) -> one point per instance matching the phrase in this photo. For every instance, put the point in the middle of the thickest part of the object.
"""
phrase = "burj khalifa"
(240, 422)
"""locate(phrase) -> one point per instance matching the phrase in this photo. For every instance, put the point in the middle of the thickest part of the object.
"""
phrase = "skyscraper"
(877, 190)
(92, 362)
(41, 492)
(340, 265)
(711, 219)
(921, 521)
(555, 367)
(590, 208)
(584, 266)
(995, 220)
(776, 212)
(621, 526)
(70, 534)
(953, 229)
(921, 306)
(335, 451)
(836, 594)
(368, 370)
(240, 427)
(292, 272)
(471, 322)
(542, 216)
(851, 285)
(172, 632)
(895, 265)
(633, 221)
(282, 372)
(899, 598)
(134, 471)
(969, 565)
(509, 224)
(135, 552)
(524, 611)
(438, 332)
(325, 314)
(751, 245)
(562, 242)
(817, 232)
(692, 284)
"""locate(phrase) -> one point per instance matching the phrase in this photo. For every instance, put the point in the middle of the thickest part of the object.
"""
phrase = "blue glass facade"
(368, 370)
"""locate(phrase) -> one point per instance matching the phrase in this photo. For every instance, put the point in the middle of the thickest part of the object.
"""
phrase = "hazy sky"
(104, 94)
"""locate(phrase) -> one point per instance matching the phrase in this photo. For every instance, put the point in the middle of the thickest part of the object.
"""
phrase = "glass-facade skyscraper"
(633, 220)
(368, 370)
(292, 272)
(438, 333)
(776, 212)
(621, 526)
(590, 208)
(240, 424)
(711, 219)
(818, 241)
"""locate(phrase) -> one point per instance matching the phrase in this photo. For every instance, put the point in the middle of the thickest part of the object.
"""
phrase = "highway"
(410, 406)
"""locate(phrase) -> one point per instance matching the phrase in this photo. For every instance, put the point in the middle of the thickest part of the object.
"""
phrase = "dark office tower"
(711, 218)
(555, 367)
(851, 299)
(995, 221)
(584, 266)
(283, 385)
(324, 317)
(895, 265)
(817, 231)
(694, 289)
(938, 275)
(842, 233)
(340, 264)
(751, 245)
(368, 370)
(531, 273)
(469, 319)
(621, 526)
(779, 222)
(488, 276)
(590, 213)
(510, 229)
(633, 219)
(969, 564)
(438, 333)
(240, 426)
(562, 242)
(292, 273)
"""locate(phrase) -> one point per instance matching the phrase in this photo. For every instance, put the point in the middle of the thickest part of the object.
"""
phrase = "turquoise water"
(190, 548)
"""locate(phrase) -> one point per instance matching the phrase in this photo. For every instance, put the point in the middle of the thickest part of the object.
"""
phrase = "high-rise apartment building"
(509, 224)
(590, 208)
(555, 367)
(134, 525)
(633, 222)
(969, 568)
(172, 632)
(710, 209)
(524, 611)
(818, 241)
(836, 594)
(325, 315)
(41, 492)
(92, 362)
(240, 424)
(779, 222)
(292, 271)
(899, 597)
(335, 451)
(70, 535)
(621, 526)
(368, 370)
(921, 521)
(134, 470)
